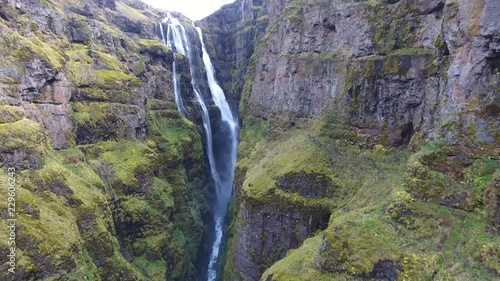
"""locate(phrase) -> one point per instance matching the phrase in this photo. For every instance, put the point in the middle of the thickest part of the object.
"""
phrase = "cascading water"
(222, 163)
(229, 155)
(177, 41)
(175, 79)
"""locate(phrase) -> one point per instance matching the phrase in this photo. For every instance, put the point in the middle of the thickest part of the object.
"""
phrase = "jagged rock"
(79, 31)
(54, 91)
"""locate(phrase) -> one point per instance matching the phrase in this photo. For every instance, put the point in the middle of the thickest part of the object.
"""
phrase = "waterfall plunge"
(222, 174)
(224, 193)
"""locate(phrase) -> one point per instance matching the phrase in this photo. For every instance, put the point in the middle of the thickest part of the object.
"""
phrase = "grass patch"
(412, 52)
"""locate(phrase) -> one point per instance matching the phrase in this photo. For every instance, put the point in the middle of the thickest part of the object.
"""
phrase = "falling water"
(223, 161)
(177, 41)
(177, 90)
(224, 194)
(179, 47)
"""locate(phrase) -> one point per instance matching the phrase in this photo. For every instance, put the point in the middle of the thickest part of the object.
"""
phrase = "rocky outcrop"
(363, 58)
(266, 232)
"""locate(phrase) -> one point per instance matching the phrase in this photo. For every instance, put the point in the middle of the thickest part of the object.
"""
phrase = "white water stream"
(222, 175)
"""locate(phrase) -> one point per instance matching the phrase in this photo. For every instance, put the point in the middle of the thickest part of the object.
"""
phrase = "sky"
(193, 9)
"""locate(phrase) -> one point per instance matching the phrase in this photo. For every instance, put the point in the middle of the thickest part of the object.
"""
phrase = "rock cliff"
(369, 149)
(109, 175)
(382, 116)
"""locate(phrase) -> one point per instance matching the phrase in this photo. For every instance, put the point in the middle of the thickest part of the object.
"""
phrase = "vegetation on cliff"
(109, 175)
(366, 111)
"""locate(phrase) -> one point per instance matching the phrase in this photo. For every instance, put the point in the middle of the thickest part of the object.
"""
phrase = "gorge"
(272, 140)
(221, 163)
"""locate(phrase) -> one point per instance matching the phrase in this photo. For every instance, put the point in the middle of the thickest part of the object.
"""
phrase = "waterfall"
(177, 41)
(231, 145)
(173, 32)
(222, 160)
(177, 90)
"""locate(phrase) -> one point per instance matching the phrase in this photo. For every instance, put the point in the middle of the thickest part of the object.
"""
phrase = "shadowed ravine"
(223, 160)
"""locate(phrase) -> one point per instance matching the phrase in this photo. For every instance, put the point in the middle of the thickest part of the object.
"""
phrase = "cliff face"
(396, 103)
(109, 176)
(370, 142)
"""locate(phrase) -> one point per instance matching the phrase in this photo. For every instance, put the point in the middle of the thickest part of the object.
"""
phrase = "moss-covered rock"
(123, 199)
(356, 247)
(23, 144)
(444, 174)
(10, 114)
(492, 203)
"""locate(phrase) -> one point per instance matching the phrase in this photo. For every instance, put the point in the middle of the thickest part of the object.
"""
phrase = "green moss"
(22, 134)
(392, 25)
(355, 247)
(254, 132)
(412, 52)
(115, 75)
(293, 156)
(102, 95)
(154, 47)
(489, 254)
(70, 177)
(247, 87)
(103, 119)
(155, 270)
(108, 79)
(434, 173)
(330, 56)
(300, 264)
(49, 215)
(91, 113)
(133, 162)
(418, 267)
(479, 175)
(10, 114)
(111, 62)
(33, 47)
(295, 17)
(133, 14)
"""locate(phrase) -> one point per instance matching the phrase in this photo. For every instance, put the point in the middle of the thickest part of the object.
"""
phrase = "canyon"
(272, 140)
